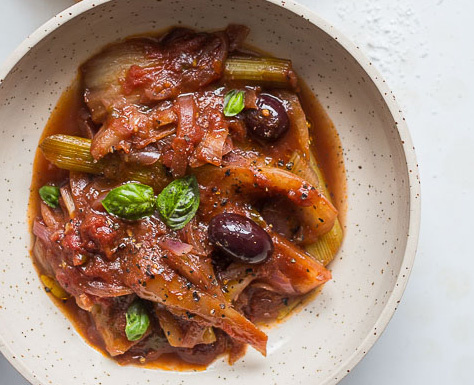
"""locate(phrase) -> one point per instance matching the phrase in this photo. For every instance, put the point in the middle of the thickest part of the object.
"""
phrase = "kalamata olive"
(269, 121)
(240, 238)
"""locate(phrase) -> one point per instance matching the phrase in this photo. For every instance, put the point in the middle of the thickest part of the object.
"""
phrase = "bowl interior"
(316, 345)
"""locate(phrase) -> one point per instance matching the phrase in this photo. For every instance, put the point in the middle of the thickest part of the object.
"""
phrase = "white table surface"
(425, 51)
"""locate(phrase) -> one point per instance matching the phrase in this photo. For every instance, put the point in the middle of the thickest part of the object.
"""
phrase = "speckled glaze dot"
(319, 344)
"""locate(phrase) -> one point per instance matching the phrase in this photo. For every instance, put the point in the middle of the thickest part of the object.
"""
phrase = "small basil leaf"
(178, 202)
(50, 195)
(234, 102)
(137, 321)
(130, 201)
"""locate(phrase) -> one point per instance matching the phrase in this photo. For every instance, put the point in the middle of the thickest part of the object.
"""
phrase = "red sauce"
(325, 144)
(327, 148)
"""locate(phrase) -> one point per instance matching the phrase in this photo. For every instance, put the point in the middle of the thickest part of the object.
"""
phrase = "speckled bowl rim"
(408, 150)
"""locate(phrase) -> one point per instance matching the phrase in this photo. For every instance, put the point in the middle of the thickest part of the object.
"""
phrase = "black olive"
(269, 121)
(240, 238)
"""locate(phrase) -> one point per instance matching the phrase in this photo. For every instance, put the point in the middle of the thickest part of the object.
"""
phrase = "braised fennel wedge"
(327, 245)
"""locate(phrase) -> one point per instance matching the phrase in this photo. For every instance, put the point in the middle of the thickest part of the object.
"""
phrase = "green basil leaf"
(179, 201)
(234, 102)
(130, 201)
(137, 321)
(50, 195)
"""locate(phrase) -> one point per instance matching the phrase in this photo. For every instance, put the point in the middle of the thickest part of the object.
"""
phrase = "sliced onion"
(68, 200)
(41, 252)
(49, 217)
(195, 234)
(174, 246)
(106, 290)
(41, 231)
(84, 302)
(211, 148)
(145, 158)
(78, 182)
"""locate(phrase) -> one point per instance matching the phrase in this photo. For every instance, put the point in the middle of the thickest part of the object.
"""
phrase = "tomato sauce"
(325, 144)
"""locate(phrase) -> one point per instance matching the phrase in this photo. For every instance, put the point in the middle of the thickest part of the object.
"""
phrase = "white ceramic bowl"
(320, 344)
